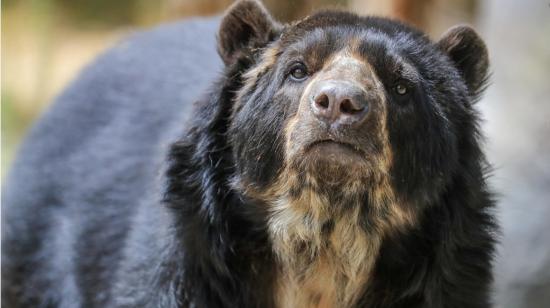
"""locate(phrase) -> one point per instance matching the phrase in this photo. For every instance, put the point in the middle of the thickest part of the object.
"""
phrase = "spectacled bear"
(335, 161)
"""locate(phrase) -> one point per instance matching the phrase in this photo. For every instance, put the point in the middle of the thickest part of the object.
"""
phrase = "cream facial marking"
(324, 250)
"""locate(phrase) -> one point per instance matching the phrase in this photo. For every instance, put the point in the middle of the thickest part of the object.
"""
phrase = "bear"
(335, 161)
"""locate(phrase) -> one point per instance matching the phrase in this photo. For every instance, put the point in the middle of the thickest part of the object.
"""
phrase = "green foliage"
(91, 13)
(14, 124)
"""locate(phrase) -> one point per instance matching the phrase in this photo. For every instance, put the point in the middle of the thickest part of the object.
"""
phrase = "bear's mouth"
(331, 148)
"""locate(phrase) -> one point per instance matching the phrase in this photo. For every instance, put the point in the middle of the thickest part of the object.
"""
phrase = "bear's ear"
(246, 25)
(469, 54)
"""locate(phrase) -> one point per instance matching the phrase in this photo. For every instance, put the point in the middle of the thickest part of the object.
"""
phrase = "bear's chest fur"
(325, 260)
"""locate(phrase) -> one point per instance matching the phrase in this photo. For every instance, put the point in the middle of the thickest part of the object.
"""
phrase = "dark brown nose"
(339, 102)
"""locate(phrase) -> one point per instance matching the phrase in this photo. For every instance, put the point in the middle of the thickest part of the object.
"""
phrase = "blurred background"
(45, 43)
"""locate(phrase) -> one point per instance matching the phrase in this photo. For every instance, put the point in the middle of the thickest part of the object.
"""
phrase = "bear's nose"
(339, 102)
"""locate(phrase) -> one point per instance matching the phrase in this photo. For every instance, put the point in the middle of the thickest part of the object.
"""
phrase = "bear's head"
(349, 107)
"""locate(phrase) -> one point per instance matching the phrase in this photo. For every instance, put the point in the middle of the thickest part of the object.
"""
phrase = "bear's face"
(347, 106)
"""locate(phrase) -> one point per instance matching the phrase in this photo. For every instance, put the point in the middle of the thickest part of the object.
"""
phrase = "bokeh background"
(45, 43)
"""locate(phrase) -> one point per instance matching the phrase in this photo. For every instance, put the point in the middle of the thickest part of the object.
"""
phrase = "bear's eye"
(298, 71)
(401, 88)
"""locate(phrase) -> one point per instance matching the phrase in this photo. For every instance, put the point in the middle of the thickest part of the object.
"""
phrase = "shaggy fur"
(247, 209)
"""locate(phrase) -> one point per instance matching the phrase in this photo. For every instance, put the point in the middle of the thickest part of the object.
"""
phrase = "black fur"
(87, 222)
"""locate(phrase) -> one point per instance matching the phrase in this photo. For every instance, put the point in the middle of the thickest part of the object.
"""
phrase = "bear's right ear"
(246, 25)
(469, 54)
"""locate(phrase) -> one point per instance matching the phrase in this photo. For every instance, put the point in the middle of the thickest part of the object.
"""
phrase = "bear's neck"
(325, 255)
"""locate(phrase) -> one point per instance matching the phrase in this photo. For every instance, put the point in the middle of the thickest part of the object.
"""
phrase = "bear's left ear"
(469, 54)
(246, 25)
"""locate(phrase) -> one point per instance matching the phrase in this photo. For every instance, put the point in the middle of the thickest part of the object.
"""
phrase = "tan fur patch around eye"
(250, 78)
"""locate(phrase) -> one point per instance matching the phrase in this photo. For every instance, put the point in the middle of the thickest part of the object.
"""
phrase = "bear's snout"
(339, 102)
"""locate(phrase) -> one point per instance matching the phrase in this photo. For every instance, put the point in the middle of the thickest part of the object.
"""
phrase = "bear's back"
(94, 157)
